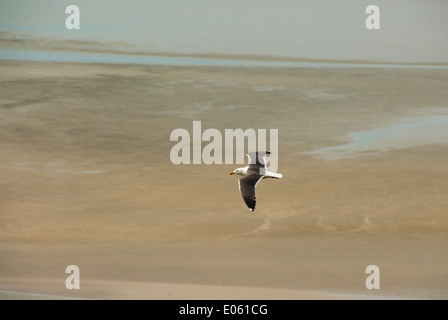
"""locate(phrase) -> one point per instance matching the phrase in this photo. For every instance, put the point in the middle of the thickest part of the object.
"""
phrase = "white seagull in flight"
(252, 174)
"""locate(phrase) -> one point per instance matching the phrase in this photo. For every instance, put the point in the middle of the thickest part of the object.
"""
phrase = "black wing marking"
(247, 188)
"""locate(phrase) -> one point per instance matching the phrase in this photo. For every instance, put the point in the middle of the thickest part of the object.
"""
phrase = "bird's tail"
(273, 175)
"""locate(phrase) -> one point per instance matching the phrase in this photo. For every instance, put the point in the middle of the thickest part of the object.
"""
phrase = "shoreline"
(199, 60)
(410, 132)
(14, 40)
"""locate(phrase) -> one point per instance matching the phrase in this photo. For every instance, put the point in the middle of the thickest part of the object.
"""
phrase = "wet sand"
(87, 180)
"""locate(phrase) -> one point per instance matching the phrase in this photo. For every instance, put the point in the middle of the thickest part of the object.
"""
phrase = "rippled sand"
(87, 180)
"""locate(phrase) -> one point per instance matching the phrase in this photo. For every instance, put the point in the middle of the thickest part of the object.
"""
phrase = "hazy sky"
(411, 30)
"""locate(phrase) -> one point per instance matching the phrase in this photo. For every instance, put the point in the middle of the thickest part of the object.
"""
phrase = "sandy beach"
(86, 180)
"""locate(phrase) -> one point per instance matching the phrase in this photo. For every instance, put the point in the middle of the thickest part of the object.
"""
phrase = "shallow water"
(89, 57)
(425, 131)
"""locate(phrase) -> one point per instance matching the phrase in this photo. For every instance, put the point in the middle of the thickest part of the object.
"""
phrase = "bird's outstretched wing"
(247, 187)
(257, 163)
(257, 157)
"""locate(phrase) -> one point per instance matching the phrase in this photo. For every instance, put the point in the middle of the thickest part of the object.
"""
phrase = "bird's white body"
(266, 174)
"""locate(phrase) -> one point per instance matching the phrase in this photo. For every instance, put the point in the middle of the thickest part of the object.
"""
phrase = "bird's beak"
(231, 173)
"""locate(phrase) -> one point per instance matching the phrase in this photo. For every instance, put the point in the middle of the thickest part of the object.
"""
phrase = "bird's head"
(240, 171)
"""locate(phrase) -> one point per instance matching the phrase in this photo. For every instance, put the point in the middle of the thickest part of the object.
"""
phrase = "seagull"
(252, 175)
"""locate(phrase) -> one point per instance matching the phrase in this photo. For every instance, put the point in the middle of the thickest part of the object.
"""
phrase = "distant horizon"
(411, 31)
(25, 45)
